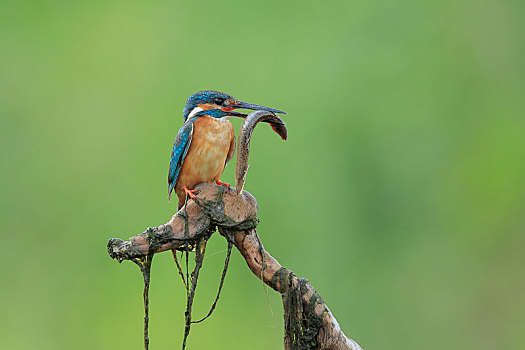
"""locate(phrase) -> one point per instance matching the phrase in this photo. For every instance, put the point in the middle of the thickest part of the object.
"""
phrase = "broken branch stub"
(243, 142)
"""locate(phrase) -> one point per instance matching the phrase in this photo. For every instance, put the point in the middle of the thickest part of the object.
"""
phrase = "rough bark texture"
(309, 323)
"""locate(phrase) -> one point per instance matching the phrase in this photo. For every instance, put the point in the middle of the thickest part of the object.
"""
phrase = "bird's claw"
(190, 193)
(218, 182)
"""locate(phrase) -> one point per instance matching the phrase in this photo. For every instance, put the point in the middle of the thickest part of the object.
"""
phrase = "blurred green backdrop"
(400, 193)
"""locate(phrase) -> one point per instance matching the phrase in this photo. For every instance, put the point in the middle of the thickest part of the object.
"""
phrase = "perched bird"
(205, 142)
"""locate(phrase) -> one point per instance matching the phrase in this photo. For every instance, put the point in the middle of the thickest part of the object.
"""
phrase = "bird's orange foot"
(190, 193)
(218, 182)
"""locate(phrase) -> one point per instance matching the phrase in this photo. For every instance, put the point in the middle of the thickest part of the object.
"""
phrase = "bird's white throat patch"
(195, 111)
(198, 109)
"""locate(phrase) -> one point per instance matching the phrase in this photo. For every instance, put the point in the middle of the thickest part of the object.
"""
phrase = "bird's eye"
(219, 101)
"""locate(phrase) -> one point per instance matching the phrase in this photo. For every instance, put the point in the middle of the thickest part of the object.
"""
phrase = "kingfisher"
(206, 141)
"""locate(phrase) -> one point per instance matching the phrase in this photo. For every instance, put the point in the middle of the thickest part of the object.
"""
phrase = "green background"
(400, 192)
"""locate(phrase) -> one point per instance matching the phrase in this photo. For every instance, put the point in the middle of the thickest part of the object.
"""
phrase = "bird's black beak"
(237, 114)
(246, 105)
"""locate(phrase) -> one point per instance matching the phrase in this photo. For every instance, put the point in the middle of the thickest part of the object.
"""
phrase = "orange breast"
(210, 146)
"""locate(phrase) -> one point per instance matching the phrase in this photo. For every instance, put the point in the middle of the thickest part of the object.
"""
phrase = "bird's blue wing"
(180, 148)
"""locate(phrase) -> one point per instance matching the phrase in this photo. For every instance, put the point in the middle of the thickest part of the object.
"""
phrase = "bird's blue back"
(179, 151)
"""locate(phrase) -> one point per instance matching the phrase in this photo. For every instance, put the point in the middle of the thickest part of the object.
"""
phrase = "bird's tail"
(170, 190)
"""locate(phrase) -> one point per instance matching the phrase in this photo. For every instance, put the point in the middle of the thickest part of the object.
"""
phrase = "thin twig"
(215, 253)
(226, 262)
(174, 252)
(145, 267)
(199, 255)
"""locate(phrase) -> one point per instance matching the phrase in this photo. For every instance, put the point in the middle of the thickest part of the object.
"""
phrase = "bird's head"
(218, 104)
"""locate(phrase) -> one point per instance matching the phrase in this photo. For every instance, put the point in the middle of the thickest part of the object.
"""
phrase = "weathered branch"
(243, 144)
(302, 304)
(309, 323)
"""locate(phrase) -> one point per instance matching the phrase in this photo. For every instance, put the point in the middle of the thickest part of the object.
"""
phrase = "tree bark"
(309, 323)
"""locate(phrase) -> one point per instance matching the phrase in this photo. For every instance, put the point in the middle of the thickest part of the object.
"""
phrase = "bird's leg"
(218, 182)
(190, 193)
